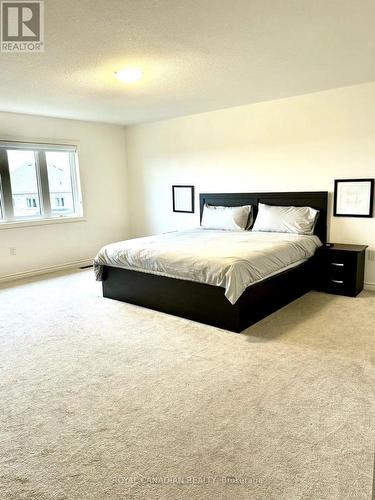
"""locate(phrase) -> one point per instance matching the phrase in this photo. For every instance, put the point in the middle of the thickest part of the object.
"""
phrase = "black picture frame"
(339, 212)
(191, 208)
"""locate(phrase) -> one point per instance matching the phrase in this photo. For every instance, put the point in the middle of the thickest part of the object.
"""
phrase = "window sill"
(40, 222)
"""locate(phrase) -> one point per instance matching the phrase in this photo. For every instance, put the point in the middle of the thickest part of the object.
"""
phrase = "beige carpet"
(104, 400)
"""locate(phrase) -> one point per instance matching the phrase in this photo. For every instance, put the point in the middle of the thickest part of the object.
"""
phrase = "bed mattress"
(233, 260)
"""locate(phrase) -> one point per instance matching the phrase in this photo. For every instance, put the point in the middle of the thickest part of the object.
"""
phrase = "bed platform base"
(206, 303)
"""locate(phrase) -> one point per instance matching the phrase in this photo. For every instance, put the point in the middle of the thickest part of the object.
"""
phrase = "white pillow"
(227, 218)
(297, 220)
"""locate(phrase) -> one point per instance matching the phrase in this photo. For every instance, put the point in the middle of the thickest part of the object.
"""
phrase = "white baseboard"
(370, 287)
(45, 270)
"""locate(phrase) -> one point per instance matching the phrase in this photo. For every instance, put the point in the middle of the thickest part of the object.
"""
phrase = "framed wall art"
(183, 199)
(353, 198)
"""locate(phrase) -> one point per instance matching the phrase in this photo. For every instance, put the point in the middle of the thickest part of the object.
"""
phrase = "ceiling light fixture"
(129, 75)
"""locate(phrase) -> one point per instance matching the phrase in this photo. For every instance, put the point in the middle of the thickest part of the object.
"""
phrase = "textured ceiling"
(197, 55)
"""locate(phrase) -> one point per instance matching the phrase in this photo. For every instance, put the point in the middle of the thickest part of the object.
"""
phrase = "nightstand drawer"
(339, 259)
(339, 265)
(339, 287)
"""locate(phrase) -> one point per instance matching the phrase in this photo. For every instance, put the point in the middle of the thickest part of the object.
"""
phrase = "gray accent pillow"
(227, 218)
(275, 219)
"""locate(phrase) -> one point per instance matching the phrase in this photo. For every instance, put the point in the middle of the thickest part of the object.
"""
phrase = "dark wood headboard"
(314, 199)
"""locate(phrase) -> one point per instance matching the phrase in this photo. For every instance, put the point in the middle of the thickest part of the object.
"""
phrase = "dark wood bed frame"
(207, 303)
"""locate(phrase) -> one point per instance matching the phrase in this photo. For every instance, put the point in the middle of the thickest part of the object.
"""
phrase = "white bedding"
(230, 259)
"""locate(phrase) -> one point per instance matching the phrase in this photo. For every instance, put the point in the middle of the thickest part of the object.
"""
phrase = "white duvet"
(230, 259)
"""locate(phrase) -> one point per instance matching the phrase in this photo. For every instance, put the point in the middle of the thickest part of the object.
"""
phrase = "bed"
(231, 300)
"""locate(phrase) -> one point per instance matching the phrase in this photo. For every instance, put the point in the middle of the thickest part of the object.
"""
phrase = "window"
(38, 182)
(60, 182)
(24, 183)
(60, 202)
(31, 202)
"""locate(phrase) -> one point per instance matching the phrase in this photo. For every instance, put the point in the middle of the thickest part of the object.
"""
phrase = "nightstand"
(341, 269)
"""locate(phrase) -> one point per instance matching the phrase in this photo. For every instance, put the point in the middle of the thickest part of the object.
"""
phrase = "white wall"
(102, 162)
(301, 143)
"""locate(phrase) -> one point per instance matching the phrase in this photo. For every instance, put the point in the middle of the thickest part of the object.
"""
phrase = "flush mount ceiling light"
(129, 75)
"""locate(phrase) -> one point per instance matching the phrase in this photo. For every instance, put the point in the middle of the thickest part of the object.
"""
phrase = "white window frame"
(46, 217)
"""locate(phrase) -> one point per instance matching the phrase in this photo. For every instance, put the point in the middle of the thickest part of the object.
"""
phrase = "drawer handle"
(339, 282)
(338, 264)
